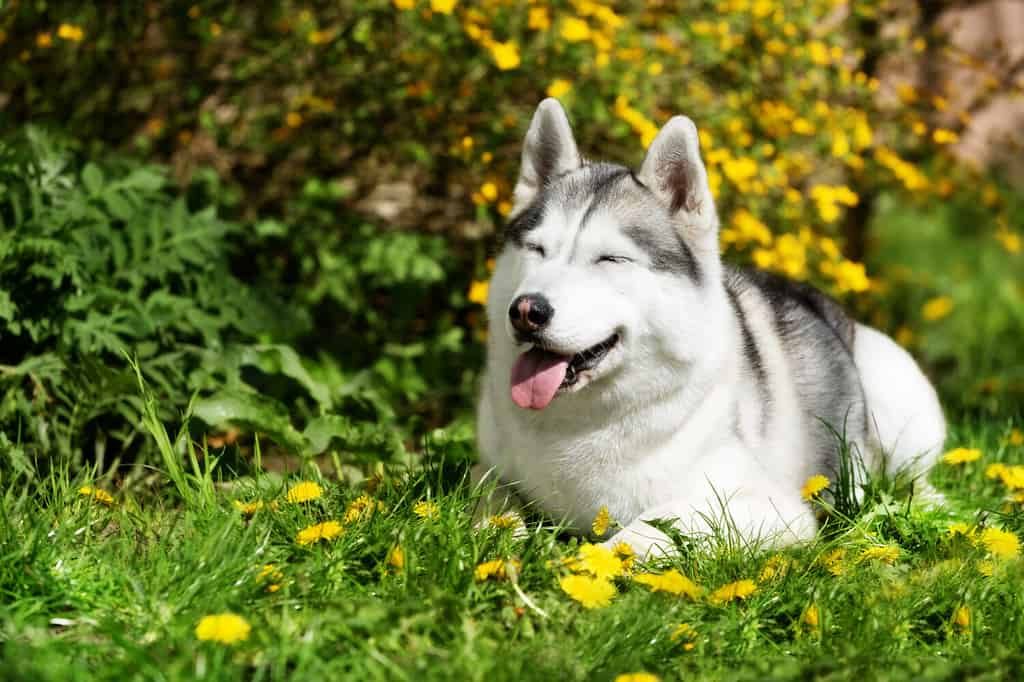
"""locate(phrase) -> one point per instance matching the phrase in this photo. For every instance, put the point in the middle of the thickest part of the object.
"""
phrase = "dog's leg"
(749, 516)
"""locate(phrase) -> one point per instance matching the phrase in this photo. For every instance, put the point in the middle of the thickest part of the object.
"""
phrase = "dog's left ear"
(674, 171)
(548, 151)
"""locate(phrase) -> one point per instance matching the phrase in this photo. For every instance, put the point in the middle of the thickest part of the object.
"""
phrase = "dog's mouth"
(538, 374)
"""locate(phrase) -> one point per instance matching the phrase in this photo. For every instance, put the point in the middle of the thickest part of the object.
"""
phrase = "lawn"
(400, 586)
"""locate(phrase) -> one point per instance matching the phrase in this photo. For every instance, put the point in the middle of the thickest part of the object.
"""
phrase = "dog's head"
(603, 270)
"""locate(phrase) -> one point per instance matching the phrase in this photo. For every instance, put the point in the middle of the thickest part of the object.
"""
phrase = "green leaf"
(92, 178)
(252, 411)
(281, 359)
(321, 431)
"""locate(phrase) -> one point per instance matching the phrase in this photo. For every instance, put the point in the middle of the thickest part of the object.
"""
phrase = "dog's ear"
(548, 151)
(674, 171)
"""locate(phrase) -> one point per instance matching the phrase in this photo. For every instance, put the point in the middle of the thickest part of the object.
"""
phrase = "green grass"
(91, 591)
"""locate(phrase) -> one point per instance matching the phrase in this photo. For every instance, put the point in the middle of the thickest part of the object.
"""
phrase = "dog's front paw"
(646, 541)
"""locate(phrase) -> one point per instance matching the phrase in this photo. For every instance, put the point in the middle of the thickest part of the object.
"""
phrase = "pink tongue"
(536, 376)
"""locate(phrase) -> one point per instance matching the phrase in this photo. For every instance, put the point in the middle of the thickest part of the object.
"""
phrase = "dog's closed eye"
(536, 248)
(613, 259)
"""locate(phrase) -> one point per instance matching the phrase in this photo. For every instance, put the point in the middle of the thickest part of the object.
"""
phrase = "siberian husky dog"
(628, 367)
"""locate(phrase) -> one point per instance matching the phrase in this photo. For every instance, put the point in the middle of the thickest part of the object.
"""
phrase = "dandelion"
(506, 55)
(637, 677)
(403, 4)
(426, 509)
(575, 30)
(810, 616)
(396, 558)
(962, 617)
(328, 530)
(248, 508)
(44, 40)
(885, 553)
(226, 628)
(1016, 437)
(498, 569)
(442, 6)
(961, 455)
(505, 521)
(98, 495)
(304, 491)
(851, 276)
(741, 589)
(1002, 544)
(987, 568)
(489, 191)
(70, 32)
(559, 87)
(937, 308)
(539, 19)
(478, 290)
(597, 560)
(960, 528)
(624, 551)
(684, 633)
(671, 581)
(591, 592)
(601, 522)
(362, 508)
(814, 485)
(944, 136)
(833, 561)
(776, 566)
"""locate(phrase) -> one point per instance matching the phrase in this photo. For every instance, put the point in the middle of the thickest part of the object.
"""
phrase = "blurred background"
(286, 210)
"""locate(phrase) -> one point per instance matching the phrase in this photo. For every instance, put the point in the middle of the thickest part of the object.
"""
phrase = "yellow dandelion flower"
(961, 455)
(671, 581)
(478, 290)
(885, 553)
(44, 40)
(776, 566)
(597, 560)
(403, 4)
(575, 30)
(95, 493)
(741, 589)
(591, 592)
(396, 558)
(960, 528)
(443, 6)
(293, 119)
(539, 19)
(851, 276)
(226, 628)
(987, 568)
(559, 87)
(505, 55)
(834, 561)
(248, 508)
(962, 617)
(70, 32)
(811, 616)
(505, 521)
(1016, 437)
(362, 508)
(937, 308)
(601, 522)
(684, 633)
(426, 509)
(489, 191)
(304, 491)
(1000, 543)
(637, 677)
(944, 136)
(624, 551)
(814, 485)
(498, 569)
(328, 530)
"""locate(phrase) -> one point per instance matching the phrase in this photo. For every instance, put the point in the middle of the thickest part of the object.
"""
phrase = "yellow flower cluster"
(225, 628)
(961, 455)
(96, 494)
(828, 198)
(640, 124)
(593, 569)
(498, 569)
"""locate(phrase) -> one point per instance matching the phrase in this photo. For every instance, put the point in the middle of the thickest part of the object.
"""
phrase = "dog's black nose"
(530, 312)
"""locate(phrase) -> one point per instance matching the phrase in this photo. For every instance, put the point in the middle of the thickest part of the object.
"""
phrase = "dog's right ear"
(548, 151)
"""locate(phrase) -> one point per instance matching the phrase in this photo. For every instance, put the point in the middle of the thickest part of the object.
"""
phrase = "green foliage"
(99, 260)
